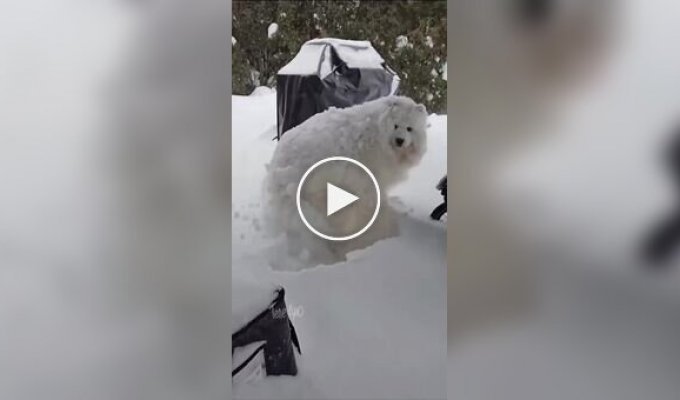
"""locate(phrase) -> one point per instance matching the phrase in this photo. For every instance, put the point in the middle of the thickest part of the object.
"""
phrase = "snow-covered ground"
(372, 327)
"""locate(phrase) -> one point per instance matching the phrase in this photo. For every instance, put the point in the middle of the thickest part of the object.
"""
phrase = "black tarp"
(273, 327)
(330, 73)
(441, 209)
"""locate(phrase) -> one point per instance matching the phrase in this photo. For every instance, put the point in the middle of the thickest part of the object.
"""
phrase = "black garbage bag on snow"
(268, 339)
(330, 73)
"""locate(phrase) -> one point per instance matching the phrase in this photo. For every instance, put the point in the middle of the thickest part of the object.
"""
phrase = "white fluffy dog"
(387, 135)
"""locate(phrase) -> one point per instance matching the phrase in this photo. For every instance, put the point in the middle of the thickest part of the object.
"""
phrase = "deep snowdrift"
(372, 327)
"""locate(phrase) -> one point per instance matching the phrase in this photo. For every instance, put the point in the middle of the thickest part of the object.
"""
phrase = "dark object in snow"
(274, 328)
(664, 239)
(441, 209)
(330, 73)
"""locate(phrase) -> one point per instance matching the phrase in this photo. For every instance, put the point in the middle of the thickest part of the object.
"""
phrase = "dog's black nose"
(399, 141)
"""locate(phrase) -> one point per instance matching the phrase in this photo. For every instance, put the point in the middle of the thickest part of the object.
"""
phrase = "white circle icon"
(338, 198)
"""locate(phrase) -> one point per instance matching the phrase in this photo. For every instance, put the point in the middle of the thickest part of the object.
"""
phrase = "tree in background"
(410, 35)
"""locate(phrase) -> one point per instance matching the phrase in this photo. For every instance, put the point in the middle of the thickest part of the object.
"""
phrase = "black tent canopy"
(330, 73)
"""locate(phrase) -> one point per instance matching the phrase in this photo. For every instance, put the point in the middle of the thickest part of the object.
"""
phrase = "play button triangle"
(337, 199)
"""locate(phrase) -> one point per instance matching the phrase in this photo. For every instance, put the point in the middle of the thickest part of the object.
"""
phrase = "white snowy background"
(371, 327)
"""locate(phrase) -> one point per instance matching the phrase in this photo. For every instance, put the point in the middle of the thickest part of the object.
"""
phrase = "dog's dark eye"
(396, 126)
(409, 129)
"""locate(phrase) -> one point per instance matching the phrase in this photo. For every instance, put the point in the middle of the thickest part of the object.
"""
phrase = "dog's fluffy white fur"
(387, 135)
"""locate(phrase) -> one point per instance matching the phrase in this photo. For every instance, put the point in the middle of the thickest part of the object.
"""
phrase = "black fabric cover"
(441, 209)
(273, 327)
(299, 97)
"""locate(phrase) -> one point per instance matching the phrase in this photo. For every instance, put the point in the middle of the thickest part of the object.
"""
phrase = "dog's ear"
(386, 113)
(421, 108)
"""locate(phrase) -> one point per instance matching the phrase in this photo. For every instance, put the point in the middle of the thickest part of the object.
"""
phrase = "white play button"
(315, 189)
(337, 199)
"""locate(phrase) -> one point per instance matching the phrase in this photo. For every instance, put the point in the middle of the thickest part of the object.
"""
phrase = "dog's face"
(405, 130)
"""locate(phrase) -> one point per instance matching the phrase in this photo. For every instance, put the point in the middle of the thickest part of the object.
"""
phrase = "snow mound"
(262, 91)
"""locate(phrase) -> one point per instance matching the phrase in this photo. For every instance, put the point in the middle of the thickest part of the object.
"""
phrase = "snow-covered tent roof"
(328, 73)
(315, 57)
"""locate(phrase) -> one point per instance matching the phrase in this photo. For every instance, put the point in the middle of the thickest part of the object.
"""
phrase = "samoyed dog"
(387, 135)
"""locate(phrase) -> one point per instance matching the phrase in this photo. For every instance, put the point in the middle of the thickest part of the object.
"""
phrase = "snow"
(445, 71)
(233, 41)
(272, 30)
(402, 41)
(305, 62)
(371, 327)
(250, 296)
(395, 85)
(428, 42)
(357, 54)
(262, 91)
(254, 369)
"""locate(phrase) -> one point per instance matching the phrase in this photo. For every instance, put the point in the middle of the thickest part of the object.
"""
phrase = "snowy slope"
(373, 327)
